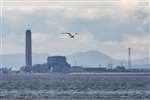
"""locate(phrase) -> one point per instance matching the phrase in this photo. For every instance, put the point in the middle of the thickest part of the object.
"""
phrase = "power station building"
(58, 64)
(54, 63)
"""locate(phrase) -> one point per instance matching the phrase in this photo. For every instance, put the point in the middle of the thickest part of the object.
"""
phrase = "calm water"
(104, 86)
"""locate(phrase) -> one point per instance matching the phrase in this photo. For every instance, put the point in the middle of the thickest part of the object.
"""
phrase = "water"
(85, 86)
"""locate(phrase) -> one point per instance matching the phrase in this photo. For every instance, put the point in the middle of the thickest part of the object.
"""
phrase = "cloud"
(107, 27)
(62, 44)
(119, 49)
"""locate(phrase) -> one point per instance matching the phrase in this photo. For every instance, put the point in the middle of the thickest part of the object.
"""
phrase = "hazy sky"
(109, 27)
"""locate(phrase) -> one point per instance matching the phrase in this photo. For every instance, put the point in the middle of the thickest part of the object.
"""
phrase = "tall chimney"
(129, 57)
(28, 48)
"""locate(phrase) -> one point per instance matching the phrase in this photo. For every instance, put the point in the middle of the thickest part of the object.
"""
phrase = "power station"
(59, 63)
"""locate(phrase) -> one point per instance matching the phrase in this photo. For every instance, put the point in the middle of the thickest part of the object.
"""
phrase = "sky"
(109, 27)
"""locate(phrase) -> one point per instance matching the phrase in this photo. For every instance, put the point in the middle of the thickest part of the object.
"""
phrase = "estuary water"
(75, 86)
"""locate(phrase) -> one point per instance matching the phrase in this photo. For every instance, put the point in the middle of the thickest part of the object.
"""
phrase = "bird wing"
(70, 34)
(67, 33)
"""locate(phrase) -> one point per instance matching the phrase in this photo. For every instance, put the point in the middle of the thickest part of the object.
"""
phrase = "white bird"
(70, 34)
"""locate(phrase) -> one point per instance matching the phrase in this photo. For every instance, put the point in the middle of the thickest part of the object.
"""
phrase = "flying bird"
(70, 34)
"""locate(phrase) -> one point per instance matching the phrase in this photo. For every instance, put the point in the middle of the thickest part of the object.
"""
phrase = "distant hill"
(89, 58)
(94, 58)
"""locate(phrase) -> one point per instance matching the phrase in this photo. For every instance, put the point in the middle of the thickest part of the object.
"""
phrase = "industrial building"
(54, 64)
(58, 64)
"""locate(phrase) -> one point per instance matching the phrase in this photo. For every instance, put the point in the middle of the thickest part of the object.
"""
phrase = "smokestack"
(129, 57)
(28, 48)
